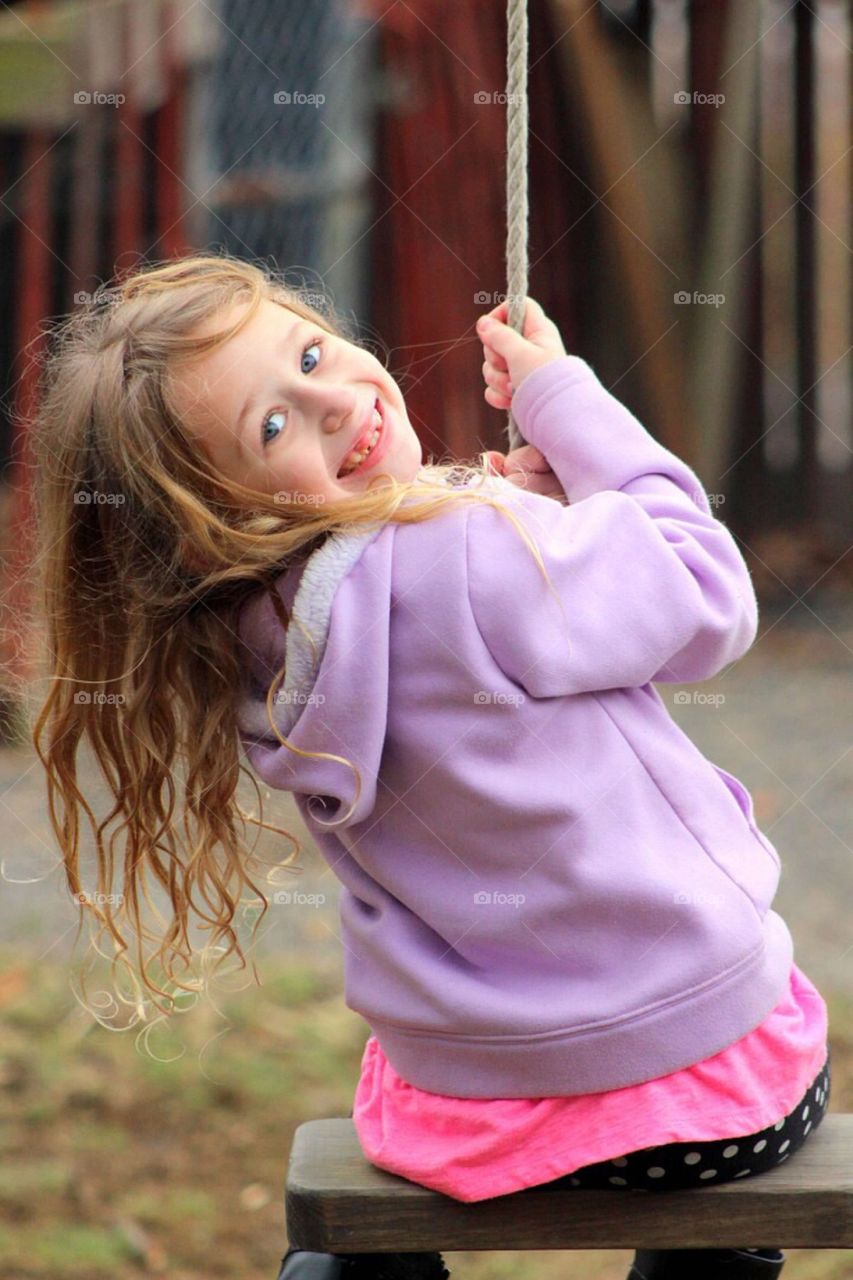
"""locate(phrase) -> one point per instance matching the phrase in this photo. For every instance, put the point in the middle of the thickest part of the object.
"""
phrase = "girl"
(556, 912)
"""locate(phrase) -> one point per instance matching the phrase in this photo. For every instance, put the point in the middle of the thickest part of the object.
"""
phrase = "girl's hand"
(509, 356)
(528, 468)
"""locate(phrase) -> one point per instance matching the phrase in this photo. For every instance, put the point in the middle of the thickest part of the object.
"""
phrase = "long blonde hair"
(145, 553)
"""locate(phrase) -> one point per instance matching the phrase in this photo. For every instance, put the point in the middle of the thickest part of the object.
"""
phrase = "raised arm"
(653, 585)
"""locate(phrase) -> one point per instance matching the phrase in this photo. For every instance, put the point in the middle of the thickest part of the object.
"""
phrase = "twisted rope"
(516, 177)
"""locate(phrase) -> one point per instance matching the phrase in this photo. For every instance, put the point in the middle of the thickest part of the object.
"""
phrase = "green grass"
(75, 1249)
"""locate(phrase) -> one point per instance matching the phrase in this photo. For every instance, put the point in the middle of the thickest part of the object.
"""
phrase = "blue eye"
(315, 343)
(279, 413)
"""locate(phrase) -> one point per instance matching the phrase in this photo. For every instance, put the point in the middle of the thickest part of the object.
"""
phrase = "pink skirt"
(476, 1148)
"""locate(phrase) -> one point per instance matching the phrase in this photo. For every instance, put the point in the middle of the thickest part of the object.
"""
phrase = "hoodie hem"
(664, 1041)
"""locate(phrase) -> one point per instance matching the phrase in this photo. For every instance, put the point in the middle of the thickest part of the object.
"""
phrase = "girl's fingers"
(500, 312)
(494, 378)
(494, 358)
(534, 322)
(496, 400)
(533, 482)
(529, 458)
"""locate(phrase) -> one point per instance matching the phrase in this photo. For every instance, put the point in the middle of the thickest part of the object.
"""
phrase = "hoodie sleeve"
(652, 585)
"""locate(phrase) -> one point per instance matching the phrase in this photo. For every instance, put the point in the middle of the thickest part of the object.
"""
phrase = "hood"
(335, 692)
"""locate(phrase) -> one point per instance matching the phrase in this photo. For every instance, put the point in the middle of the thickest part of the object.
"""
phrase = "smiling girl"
(556, 912)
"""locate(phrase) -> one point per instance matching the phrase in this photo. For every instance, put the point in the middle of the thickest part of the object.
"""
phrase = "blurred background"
(690, 228)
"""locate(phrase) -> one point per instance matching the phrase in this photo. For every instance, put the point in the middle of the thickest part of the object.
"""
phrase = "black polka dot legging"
(677, 1165)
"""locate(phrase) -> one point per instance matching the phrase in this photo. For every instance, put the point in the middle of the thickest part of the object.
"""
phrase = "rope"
(516, 177)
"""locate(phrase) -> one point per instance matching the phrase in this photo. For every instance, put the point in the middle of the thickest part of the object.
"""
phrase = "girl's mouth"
(363, 459)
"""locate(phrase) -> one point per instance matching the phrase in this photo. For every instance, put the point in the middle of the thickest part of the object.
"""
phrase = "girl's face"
(281, 406)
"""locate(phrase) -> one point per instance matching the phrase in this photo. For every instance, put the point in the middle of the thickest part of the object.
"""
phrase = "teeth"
(355, 458)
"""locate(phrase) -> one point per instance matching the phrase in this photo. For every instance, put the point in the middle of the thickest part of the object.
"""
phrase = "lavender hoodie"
(547, 889)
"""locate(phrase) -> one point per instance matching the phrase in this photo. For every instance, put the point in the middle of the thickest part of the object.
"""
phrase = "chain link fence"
(289, 137)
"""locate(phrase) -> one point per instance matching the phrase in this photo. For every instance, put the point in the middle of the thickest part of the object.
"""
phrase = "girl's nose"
(333, 405)
(334, 419)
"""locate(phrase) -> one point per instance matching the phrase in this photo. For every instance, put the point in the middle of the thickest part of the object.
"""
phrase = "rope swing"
(516, 177)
